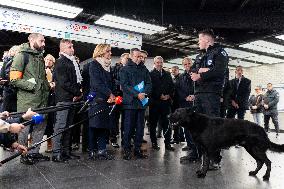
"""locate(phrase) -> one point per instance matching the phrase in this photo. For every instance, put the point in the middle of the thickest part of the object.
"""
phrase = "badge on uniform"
(209, 62)
(224, 53)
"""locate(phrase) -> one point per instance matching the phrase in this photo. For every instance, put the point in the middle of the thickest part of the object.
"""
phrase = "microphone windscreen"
(37, 119)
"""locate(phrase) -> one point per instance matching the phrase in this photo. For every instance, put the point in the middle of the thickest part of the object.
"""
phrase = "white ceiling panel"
(242, 63)
(238, 53)
(264, 46)
(265, 59)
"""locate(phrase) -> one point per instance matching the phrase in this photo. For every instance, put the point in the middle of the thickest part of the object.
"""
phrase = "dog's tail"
(276, 147)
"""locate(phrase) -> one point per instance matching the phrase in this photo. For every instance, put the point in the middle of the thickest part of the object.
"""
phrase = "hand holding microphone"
(90, 98)
(118, 101)
(17, 127)
(36, 119)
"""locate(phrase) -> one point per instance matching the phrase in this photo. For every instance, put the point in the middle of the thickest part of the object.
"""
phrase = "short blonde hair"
(100, 50)
(50, 57)
(188, 59)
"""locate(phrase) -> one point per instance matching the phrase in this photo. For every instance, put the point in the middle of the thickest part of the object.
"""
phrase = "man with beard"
(28, 76)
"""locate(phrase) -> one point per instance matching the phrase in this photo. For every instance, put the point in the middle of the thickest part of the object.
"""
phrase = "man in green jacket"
(28, 76)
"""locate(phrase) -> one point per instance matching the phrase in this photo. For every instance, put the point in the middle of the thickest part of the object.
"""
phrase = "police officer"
(209, 74)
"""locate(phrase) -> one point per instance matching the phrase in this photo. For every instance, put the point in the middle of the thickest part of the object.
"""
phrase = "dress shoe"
(70, 156)
(139, 155)
(58, 158)
(214, 166)
(39, 157)
(190, 158)
(92, 155)
(127, 155)
(186, 148)
(155, 146)
(103, 155)
(115, 145)
(75, 147)
(174, 142)
(27, 160)
(169, 147)
(182, 140)
(144, 141)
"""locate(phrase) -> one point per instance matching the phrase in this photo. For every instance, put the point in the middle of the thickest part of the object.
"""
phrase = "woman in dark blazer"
(102, 84)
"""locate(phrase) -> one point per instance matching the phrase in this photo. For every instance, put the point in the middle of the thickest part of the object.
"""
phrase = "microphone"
(90, 98)
(36, 119)
(118, 101)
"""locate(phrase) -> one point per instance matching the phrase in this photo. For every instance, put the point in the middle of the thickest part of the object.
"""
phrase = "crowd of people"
(31, 80)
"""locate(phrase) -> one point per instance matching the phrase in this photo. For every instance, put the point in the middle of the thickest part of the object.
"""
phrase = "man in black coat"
(240, 91)
(185, 91)
(178, 136)
(160, 106)
(68, 80)
(117, 92)
(132, 74)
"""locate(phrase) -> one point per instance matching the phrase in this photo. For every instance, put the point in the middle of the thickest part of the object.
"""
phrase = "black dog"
(213, 134)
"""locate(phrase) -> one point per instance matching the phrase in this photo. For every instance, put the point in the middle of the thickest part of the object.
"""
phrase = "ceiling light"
(128, 24)
(43, 6)
(264, 46)
(280, 37)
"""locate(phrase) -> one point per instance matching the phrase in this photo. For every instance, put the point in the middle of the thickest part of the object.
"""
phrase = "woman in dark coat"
(102, 84)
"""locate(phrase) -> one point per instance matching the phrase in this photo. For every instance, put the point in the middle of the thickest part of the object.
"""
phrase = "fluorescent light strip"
(128, 24)
(43, 6)
(263, 46)
(280, 37)
(252, 56)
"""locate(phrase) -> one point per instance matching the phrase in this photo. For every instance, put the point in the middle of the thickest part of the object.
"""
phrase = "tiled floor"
(162, 170)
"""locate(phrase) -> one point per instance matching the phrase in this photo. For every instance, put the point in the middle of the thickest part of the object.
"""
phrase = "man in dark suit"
(132, 74)
(68, 80)
(160, 106)
(238, 103)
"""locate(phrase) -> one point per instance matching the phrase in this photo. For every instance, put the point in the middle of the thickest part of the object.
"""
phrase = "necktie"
(238, 83)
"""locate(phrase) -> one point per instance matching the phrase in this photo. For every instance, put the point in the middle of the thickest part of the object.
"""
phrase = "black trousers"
(232, 112)
(209, 104)
(114, 132)
(159, 112)
(274, 118)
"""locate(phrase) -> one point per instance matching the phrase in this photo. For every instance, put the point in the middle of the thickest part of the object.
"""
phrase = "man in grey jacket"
(270, 100)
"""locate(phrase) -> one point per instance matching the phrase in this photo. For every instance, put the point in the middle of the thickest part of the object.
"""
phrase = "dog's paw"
(252, 173)
(200, 174)
(265, 178)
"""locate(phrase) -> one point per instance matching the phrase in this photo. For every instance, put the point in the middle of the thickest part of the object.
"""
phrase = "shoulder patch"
(224, 53)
